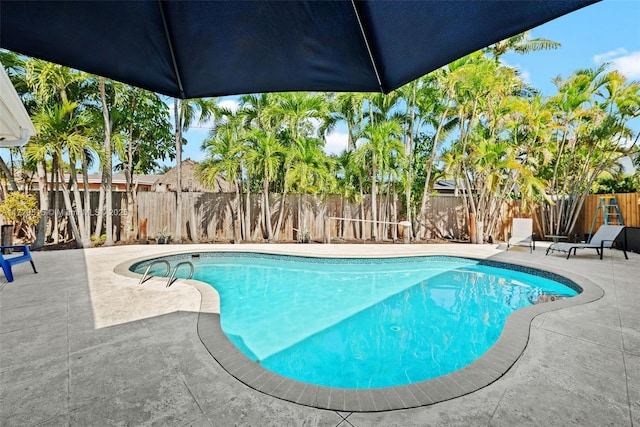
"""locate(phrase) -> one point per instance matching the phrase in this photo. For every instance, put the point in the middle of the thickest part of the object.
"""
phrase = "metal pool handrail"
(144, 277)
(175, 269)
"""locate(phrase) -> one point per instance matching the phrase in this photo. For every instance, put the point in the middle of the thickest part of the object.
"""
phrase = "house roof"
(119, 178)
(189, 180)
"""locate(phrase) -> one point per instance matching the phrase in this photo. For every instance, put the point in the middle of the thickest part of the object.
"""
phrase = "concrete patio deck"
(82, 345)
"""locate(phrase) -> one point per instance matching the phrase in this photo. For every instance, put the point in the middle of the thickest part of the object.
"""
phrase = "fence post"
(404, 227)
(327, 230)
(473, 236)
(142, 226)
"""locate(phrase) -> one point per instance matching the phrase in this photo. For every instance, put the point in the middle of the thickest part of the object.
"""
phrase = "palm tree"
(59, 130)
(297, 112)
(49, 84)
(265, 156)
(379, 140)
(521, 43)
(384, 107)
(348, 181)
(411, 121)
(185, 113)
(479, 88)
(54, 88)
(593, 109)
(107, 169)
(347, 107)
(311, 171)
(294, 116)
(225, 155)
(437, 102)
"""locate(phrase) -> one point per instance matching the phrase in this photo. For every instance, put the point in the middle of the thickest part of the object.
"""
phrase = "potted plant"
(304, 236)
(163, 238)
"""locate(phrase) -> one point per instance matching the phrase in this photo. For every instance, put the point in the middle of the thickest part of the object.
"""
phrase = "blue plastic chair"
(11, 261)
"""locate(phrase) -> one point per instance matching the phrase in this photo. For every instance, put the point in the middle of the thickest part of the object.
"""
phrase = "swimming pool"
(367, 323)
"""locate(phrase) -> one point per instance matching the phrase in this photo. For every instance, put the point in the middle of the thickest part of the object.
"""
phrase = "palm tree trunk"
(76, 220)
(55, 200)
(299, 217)
(408, 150)
(266, 209)
(374, 207)
(69, 207)
(283, 197)
(247, 211)
(44, 205)
(341, 224)
(193, 227)
(363, 228)
(178, 123)
(128, 176)
(107, 179)
(87, 201)
(237, 226)
(97, 231)
(258, 226)
(394, 213)
(429, 166)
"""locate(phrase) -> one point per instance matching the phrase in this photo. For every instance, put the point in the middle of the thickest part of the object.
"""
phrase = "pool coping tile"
(379, 399)
(309, 396)
(367, 404)
(338, 399)
(323, 397)
(488, 368)
(419, 393)
(293, 392)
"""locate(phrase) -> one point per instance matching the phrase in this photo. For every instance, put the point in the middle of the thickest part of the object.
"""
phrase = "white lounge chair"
(522, 234)
(604, 238)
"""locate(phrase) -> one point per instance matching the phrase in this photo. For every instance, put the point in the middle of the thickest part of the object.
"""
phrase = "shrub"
(21, 210)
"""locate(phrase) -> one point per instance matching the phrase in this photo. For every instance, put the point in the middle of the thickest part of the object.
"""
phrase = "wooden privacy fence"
(212, 216)
(628, 204)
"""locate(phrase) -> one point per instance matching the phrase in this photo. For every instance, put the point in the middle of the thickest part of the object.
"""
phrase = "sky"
(608, 31)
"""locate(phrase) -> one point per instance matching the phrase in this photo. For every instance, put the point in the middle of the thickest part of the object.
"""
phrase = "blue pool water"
(365, 323)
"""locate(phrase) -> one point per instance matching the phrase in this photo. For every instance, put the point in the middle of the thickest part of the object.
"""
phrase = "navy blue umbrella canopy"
(192, 49)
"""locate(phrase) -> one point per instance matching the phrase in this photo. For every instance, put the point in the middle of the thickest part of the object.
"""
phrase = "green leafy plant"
(98, 241)
(163, 237)
(21, 210)
(612, 185)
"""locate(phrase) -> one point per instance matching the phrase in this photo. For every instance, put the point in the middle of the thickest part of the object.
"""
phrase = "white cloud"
(336, 143)
(230, 104)
(525, 75)
(607, 56)
(628, 64)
